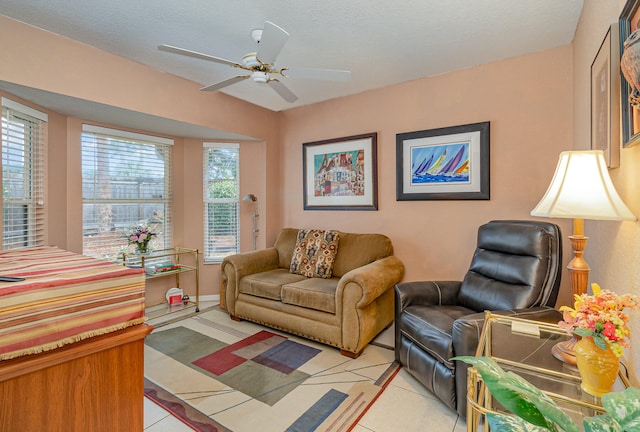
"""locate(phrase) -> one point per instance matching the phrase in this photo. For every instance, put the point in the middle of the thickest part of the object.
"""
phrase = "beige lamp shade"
(582, 189)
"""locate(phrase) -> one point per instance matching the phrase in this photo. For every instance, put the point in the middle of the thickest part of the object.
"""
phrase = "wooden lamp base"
(578, 280)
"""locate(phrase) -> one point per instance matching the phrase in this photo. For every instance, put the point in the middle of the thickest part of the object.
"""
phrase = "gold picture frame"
(605, 98)
(628, 22)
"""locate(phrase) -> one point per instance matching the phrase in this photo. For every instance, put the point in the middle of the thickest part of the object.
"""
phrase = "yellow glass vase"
(598, 367)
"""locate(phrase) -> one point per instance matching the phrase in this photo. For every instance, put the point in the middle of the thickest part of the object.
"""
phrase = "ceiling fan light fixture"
(250, 61)
(260, 77)
(256, 34)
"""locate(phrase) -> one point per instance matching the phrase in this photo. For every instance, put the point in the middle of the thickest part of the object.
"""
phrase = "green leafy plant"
(537, 412)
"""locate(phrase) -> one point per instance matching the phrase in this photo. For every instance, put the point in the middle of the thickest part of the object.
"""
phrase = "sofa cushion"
(267, 284)
(315, 293)
(314, 253)
(357, 250)
(285, 244)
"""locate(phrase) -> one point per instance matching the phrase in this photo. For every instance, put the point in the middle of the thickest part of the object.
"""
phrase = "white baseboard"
(210, 298)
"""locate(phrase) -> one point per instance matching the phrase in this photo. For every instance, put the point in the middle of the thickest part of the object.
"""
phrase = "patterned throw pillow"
(315, 253)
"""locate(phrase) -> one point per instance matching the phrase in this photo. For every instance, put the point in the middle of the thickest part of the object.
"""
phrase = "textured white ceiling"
(383, 42)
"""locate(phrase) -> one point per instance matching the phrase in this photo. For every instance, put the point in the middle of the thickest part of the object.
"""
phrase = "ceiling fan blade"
(283, 91)
(182, 51)
(271, 42)
(318, 74)
(222, 84)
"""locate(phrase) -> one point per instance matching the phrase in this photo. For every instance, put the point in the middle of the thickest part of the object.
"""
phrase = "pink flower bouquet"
(602, 317)
(141, 237)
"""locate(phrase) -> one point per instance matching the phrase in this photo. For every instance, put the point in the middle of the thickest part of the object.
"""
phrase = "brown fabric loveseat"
(346, 311)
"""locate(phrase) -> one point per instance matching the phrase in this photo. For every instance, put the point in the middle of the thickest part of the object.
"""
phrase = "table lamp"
(580, 189)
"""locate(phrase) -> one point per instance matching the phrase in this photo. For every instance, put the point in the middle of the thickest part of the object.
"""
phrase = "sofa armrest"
(426, 293)
(373, 279)
(253, 262)
(235, 267)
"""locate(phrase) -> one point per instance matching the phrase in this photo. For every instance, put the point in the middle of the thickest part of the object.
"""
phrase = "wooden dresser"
(93, 385)
(71, 343)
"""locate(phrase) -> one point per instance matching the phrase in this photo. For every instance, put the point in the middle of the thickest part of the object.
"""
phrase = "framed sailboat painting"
(450, 163)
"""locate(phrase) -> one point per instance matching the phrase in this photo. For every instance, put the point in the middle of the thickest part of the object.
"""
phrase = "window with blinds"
(24, 133)
(221, 200)
(125, 184)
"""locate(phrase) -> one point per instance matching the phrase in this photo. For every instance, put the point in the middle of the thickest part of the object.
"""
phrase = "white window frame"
(118, 138)
(211, 255)
(35, 166)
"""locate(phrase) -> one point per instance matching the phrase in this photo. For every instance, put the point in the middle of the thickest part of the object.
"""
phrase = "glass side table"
(524, 347)
(168, 262)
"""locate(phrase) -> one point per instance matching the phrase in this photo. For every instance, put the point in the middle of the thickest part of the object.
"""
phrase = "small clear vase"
(142, 249)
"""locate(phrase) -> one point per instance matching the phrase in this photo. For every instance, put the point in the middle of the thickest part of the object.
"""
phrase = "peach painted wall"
(253, 171)
(528, 101)
(613, 252)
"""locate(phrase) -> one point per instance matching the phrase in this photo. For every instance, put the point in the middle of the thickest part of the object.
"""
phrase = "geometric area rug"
(216, 374)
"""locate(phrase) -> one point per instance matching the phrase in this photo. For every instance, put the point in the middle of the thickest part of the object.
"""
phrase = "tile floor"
(404, 405)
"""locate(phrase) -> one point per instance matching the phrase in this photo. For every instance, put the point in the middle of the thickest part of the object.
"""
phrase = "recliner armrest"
(427, 293)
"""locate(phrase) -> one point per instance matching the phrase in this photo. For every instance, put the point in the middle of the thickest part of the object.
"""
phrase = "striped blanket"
(65, 298)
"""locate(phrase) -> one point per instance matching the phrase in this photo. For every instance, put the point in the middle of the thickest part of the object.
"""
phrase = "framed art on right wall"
(629, 22)
(605, 98)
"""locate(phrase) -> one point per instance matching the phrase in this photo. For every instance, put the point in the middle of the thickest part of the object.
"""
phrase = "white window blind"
(125, 184)
(221, 200)
(24, 134)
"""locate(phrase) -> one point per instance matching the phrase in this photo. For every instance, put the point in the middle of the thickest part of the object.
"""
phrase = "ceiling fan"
(261, 64)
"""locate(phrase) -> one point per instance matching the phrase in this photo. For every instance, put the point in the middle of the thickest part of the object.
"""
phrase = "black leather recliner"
(515, 270)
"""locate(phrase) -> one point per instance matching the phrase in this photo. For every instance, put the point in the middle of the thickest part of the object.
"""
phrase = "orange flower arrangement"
(602, 317)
